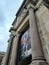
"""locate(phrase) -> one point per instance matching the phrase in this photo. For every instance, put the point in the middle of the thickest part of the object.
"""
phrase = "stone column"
(14, 50)
(8, 52)
(37, 52)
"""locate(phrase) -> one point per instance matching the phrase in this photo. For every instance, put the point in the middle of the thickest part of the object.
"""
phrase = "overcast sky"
(8, 9)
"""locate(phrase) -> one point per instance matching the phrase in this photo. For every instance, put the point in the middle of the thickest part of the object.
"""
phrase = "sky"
(8, 9)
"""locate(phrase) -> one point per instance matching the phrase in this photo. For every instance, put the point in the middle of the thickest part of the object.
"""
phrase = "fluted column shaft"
(14, 50)
(35, 40)
(8, 52)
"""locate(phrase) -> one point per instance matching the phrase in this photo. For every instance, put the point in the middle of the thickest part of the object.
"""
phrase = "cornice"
(12, 29)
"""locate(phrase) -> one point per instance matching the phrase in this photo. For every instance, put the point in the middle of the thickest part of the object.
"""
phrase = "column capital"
(40, 2)
(37, 6)
(30, 6)
(17, 34)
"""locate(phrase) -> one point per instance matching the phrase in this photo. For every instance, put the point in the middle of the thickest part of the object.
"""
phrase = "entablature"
(23, 12)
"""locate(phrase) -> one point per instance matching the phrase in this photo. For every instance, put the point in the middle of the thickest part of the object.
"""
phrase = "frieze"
(21, 17)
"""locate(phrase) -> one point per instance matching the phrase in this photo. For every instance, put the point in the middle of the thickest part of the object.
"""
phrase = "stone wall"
(42, 16)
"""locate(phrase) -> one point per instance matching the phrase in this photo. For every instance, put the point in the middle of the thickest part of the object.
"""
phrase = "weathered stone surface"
(35, 41)
(43, 25)
(13, 58)
(42, 15)
(20, 18)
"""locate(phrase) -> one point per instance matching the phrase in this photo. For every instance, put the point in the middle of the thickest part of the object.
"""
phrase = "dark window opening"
(25, 45)
(25, 61)
(24, 53)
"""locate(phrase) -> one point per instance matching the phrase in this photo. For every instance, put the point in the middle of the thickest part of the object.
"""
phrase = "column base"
(39, 62)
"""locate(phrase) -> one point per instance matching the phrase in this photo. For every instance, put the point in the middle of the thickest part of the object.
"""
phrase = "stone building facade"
(29, 38)
(2, 54)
